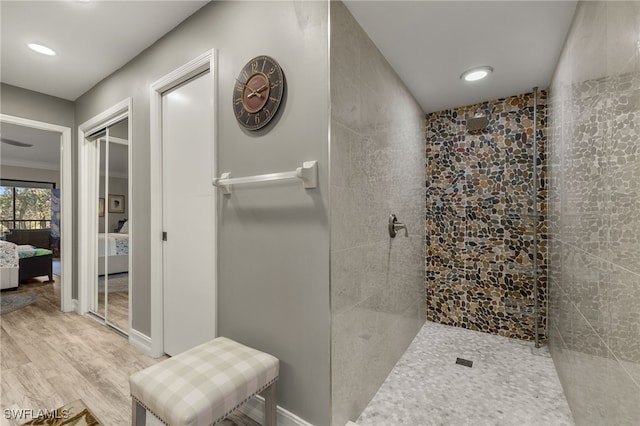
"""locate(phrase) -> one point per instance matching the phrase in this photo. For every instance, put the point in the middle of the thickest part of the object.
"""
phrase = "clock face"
(258, 92)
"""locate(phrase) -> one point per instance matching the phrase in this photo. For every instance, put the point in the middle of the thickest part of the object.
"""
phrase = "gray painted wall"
(36, 106)
(274, 239)
(594, 226)
(377, 168)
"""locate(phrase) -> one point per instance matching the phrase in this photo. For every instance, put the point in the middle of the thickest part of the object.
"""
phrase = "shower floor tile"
(510, 383)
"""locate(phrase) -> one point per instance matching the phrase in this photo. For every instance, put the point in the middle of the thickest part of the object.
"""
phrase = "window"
(25, 205)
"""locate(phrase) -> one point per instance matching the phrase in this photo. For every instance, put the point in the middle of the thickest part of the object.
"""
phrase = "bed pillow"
(124, 229)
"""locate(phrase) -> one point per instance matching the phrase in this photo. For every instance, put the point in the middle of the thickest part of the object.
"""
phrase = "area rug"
(75, 413)
(117, 283)
(13, 302)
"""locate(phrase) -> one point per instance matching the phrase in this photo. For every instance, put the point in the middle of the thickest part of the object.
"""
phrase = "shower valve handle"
(394, 226)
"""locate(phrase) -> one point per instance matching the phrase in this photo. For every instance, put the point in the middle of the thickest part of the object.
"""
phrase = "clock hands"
(254, 92)
(257, 91)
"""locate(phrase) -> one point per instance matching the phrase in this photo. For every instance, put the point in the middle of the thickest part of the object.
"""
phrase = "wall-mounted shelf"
(308, 173)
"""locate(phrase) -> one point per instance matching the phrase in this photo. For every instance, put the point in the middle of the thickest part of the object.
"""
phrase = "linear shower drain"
(464, 362)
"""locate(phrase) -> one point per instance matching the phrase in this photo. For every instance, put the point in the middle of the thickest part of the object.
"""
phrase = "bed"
(34, 262)
(8, 265)
(35, 258)
(117, 249)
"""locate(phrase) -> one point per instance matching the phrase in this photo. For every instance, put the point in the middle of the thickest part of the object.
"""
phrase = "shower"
(479, 121)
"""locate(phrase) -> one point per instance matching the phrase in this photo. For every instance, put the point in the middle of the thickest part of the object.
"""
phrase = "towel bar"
(308, 173)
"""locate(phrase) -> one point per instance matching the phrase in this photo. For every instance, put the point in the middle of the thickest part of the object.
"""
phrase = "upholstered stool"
(205, 384)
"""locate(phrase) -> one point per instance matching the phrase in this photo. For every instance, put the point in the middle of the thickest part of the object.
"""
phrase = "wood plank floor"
(49, 358)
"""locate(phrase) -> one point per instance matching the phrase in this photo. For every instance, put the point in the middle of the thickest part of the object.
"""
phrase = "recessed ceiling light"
(475, 74)
(41, 49)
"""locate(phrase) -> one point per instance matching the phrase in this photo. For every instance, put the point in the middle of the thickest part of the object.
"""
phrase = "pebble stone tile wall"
(479, 223)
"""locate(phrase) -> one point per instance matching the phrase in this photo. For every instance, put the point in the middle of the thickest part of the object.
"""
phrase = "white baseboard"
(254, 408)
(140, 341)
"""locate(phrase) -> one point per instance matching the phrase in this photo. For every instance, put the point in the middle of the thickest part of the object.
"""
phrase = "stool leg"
(138, 414)
(270, 418)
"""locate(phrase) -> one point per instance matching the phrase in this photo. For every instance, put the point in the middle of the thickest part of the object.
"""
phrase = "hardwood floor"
(49, 358)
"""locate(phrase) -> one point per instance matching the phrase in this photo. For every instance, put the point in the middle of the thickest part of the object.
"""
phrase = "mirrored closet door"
(110, 300)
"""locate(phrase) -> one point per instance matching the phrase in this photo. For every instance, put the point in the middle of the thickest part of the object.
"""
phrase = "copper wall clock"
(258, 92)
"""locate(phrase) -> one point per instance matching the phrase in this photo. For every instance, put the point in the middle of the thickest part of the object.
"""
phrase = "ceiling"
(428, 43)
(44, 154)
(431, 43)
(92, 39)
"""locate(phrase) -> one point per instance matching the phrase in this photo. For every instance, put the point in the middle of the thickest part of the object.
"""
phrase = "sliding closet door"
(117, 229)
(189, 309)
(110, 301)
(99, 303)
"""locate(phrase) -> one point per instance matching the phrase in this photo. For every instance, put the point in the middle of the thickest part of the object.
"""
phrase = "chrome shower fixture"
(395, 226)
(479, 121)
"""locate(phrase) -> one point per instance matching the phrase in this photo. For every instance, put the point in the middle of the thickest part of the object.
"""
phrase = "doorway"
(60, 238)
(183, 226)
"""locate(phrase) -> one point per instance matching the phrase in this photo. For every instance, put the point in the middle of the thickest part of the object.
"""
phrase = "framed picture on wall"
(116, 203)
(100, 207)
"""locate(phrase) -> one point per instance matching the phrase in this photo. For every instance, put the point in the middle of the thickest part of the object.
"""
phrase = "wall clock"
(258, 92)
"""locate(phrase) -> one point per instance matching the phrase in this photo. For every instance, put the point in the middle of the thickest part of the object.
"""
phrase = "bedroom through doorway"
(36, 205)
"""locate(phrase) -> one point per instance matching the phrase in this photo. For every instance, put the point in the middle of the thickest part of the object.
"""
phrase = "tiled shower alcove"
(479, 217)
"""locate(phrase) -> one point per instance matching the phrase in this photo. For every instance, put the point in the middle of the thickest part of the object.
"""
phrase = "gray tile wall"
(594, 215)
(377, 168)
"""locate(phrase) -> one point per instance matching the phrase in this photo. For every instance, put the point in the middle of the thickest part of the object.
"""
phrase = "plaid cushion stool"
(203, 385)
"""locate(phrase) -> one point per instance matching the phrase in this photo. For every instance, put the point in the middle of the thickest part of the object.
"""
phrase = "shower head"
(478, 122)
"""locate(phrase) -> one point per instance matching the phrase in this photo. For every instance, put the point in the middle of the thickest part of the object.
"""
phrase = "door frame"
(205, 62)
(66, 203)
(88, 210)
